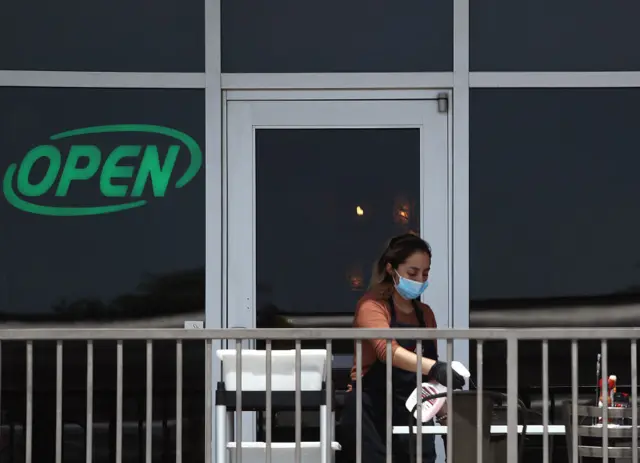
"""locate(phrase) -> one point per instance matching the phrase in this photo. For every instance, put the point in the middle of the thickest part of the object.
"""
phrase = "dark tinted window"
(554, 35)
(103, 35)
(336, 36)
(143, 261)
(326, 203)
(554, 228)
(554, 193)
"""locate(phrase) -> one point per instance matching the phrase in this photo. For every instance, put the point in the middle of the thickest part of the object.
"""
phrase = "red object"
(610, 384)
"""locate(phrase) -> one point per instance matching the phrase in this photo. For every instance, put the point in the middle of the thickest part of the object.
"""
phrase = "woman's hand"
(439, 373)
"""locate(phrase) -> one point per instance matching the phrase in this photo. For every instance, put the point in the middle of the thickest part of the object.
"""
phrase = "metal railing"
(215, 338)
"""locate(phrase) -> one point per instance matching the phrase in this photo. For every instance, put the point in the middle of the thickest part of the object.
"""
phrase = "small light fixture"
(359, 210)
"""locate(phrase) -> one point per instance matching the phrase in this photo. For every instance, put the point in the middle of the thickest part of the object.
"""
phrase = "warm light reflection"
(356, 278)
(402, 211)
(357, 283)
(359, 210)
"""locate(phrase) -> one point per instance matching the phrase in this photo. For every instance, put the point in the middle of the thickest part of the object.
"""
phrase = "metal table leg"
(221, 434)
(324, 435)
(333, 426)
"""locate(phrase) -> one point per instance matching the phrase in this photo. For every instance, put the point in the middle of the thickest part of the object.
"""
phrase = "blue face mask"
(410, 289)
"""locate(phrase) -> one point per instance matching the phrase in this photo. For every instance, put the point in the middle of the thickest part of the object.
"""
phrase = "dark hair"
(398, 250)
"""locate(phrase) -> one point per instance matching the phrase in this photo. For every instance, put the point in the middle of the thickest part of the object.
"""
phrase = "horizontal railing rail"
(217, 403)
(318, 333)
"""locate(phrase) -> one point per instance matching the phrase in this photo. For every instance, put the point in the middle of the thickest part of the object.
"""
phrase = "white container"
(431, 407)
(254, 366)
(281, 452)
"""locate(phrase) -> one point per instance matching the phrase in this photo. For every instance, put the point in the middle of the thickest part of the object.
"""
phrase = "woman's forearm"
(407, 360)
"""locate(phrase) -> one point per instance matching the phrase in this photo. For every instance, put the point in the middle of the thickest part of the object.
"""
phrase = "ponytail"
(378, 273)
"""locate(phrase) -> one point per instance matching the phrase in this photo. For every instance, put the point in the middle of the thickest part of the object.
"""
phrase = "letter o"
(55, 161)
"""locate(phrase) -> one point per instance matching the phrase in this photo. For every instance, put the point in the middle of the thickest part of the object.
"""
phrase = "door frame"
(347, 95)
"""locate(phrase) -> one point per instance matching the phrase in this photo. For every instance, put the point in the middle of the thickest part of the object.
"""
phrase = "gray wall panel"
(554, 35)
(337, 36)
(103, 35)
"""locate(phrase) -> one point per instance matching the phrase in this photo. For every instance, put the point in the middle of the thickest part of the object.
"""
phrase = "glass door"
(314, 190)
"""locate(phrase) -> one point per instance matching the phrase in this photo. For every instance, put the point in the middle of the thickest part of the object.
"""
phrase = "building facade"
(230, 160)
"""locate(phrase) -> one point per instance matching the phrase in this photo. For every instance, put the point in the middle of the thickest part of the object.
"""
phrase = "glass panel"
(69, 251)
(103, 35)
(327, 201)
(554, 222)
(144, 264)
(554, 35)
(554, 193)
(336, 36)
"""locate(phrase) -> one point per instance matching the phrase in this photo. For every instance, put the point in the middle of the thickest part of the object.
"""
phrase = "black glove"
(439, 373)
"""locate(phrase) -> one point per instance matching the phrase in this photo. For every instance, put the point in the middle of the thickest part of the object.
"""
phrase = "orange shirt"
(373, 312)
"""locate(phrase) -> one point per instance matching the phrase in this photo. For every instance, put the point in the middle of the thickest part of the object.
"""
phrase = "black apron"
(374, 384)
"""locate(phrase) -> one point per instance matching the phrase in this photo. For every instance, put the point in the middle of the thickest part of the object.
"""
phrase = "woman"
(399, 278)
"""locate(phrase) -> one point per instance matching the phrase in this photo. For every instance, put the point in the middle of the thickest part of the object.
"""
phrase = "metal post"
(512, 398)
(358, 401)
(545, 401)
(29, 411)
(605, 403)
(298, 411)
(89, 418)
(419, 402)
(59, 385)
(480, 402)
(388, 401)
(149, 407)
(268, 411)
(119, 375)
(574, 401)
(179, 370)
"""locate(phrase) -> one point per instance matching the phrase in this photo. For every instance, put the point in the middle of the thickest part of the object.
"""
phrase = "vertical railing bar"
(512, 398)
(329, 400)
(59, 384)
(29, 411)
(545, 401)
(574, 401)
(418, 401)
(149, 410)
(268, 411)
(389, 401)
(298, 411)
(89, 425)
(238, 432)
(0, 384)
(634, 400)
(179, 371)
(208, 401)
(605, 403)
(119, 375)
(450, 436)
(359, 401)
(479, 401)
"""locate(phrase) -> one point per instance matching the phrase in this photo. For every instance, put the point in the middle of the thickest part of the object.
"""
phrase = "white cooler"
(254, 366)
(281, 452)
